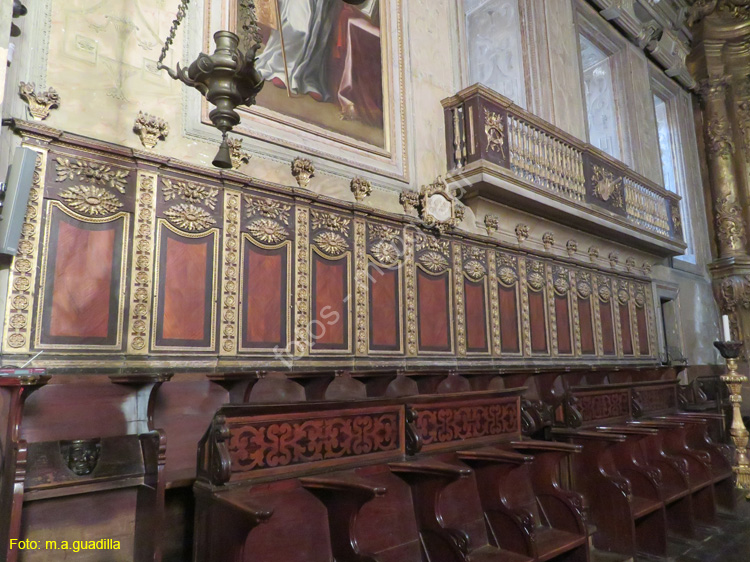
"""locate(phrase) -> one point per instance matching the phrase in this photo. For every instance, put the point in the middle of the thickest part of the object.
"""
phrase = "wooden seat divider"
(629, 519)
(659, 401)
(480, 430)
(615, 404)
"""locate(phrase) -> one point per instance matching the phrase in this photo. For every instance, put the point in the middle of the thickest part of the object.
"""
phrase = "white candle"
(727, 332)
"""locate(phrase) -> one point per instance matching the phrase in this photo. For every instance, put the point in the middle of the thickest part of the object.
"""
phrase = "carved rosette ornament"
(583, 284)
(40, 103)
(361, 188)
(384, 240)
(236, 154)
(331, 231)
(507, 270)
(150, 129)
(522, 232)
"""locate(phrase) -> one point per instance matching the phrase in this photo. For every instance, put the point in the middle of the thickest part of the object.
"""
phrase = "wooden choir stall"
(259, 373)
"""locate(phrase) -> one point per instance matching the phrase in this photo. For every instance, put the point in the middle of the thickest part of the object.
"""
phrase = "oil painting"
(323, 65)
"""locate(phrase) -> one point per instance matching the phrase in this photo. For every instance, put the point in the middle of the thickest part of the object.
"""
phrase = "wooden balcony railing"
(489, 136)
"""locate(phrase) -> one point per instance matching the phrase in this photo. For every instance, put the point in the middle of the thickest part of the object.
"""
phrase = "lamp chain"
(181, 11)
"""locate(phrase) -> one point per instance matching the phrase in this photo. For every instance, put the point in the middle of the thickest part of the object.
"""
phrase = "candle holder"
(730, 351)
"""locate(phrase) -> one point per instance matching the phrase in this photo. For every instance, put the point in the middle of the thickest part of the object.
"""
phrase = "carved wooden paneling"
(466, 423)
(274, 444)
(535, 303)
(606, 318)
(476, 310)
(180, 261)
(655, 399)
(331, 253)
(268, 228)
(560, 294)
(603, 405)
(189, 220)
(385, 254)
(434, 292)
(509, 303)
(82, 281)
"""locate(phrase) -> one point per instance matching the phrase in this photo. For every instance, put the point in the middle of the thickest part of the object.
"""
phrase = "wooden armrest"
(683, 419)
(628, 430)
(700, 415)
(429, 468)
(343, 483)
(661, 424)
(493, 454)
(253, 512)
(535, 446)
(593, 435)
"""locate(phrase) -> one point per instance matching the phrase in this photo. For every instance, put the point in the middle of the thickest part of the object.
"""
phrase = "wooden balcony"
(500, 152)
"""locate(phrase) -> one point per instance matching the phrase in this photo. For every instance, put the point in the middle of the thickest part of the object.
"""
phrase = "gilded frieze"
(230, 277)
(459, 299)
(23, 271)
(302, 284)
(494, 303)
(141, 289)
(91, 172)
(411, 294)
(361, 287)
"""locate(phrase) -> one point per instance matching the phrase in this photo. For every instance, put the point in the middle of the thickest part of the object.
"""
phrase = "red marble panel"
(184, 288)
(627, 335)
(476, 316)
(537, 321)
(562, 319)
(585, 320)
(83, 275)
(643, 345)
(508, 319)
(265, 297)
(433, 311)
(608, 328)
(82, 284)
(329, 328)
(385, 332)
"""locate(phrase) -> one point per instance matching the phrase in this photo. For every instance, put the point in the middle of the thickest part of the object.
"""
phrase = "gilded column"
(730, 226)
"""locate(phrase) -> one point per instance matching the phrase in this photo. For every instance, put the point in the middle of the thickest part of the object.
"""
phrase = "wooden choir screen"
(126, 254)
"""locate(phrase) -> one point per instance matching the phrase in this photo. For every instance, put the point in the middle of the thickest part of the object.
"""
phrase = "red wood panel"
(184, 289)
(82, 280)
(476, 316)
(508, 319)
(643, 345)
(384, 311)
(608, 328)
(433, 311)
(627, 336)
(265, 297)
(538, 322)
(562, 319)
(329, 328)
(585, 319)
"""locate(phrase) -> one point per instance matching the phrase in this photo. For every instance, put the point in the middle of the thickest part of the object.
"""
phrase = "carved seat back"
(283, 482)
